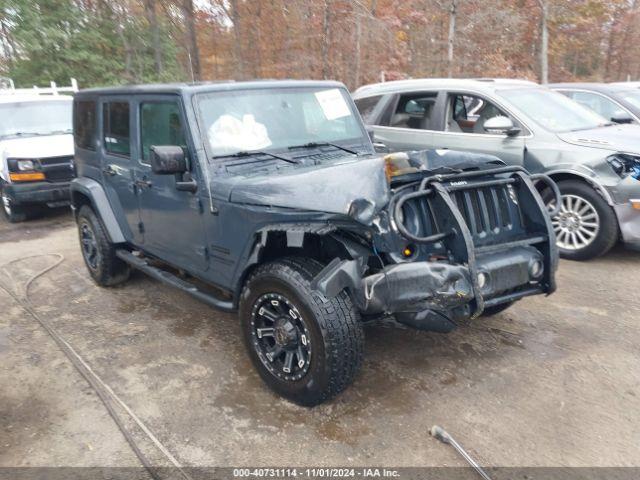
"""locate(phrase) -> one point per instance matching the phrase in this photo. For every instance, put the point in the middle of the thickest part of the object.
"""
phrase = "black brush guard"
(462, 233)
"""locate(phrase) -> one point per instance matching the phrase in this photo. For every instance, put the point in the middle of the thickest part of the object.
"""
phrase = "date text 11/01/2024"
(315, 472)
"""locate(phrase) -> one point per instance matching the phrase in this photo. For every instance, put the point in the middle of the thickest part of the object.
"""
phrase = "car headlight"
(625, 164)
(24, 165)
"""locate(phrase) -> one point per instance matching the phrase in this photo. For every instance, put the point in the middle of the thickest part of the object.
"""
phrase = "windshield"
(273, 119)
(632, 96)
(35, 118)
(552, 110)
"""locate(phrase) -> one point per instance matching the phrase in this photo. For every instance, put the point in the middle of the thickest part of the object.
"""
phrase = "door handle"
(109, 170)
(143, 183)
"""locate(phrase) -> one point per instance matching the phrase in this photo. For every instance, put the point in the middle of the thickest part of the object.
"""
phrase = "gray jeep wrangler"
(268, 198)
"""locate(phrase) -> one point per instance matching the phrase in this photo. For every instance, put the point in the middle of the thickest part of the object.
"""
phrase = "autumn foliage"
(355, 41)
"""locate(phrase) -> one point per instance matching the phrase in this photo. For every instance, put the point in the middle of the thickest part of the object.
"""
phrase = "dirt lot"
(552, 381)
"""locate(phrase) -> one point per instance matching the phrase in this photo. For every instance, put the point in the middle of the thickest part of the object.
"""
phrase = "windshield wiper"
(248, 153)
(324, 144)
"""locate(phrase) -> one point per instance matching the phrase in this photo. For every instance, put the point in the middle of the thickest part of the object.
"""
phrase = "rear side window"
(415, 111)
(160, 124)
(366, 106)
(116, 128)
(84, 125)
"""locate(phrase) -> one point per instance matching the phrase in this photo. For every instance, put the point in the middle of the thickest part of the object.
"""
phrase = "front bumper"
(38, 192)
(433, 295)
(629, 222)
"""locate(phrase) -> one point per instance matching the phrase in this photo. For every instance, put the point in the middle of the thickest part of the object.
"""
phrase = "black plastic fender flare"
(95, 193)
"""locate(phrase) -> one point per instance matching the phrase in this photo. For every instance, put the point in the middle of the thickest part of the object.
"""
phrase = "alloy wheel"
(280, 337)
(6, 204)
(89, 246)
(578, 223)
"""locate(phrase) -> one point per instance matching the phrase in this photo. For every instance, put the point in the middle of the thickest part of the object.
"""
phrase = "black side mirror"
(621, 117)
(167, 159)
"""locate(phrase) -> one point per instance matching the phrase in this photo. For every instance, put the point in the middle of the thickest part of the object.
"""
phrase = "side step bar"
(174, 281)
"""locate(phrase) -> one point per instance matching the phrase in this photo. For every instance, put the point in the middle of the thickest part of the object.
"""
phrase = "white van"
(36, 148)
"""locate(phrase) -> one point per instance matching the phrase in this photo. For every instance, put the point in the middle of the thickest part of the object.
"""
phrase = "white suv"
(36, 148)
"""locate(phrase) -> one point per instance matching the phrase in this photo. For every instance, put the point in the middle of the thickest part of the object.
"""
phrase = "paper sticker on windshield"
(333, 104)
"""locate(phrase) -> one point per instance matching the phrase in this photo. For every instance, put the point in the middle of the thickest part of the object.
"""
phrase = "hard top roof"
(203, 87)
(482, 84)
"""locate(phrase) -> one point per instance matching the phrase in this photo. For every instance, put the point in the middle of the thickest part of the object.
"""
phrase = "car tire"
(326, 334)
(98, 252)
(496, 309)
(13, 213)
(587, 228)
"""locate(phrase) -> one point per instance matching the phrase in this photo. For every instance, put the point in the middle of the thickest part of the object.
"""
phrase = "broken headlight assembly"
(625, 164)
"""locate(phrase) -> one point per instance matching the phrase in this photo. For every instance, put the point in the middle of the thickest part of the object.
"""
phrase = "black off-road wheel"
(12, 212)
(586, 226)
(305, 346)
(496, 309)
(98, 252)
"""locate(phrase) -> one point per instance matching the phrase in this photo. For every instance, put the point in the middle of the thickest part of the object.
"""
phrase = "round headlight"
(536, 269)
(482, 279)
(25, 165)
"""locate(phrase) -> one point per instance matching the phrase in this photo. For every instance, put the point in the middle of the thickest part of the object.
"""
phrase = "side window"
(366, 106)
(467, 114)
(115, 128)
(160, 124)
(597, 103)
(415, 111)
(84, 125)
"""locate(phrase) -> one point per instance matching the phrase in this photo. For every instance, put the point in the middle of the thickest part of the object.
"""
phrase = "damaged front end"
(454, 240)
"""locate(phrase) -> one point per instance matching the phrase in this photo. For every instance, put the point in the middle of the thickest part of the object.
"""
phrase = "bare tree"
(234, 15)
(326, 30)
(544, 47)
(452, 36)
(189, 14)
(152, 18)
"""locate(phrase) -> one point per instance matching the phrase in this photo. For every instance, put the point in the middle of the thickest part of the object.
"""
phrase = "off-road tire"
(608, 232)
(107, 270)
(496, 309)
(13, 213)
(336, 333)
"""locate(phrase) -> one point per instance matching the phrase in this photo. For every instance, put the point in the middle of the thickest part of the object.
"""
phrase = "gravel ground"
(551, 381)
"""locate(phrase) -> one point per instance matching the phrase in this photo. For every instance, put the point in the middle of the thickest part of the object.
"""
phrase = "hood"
(37, 146)
(618, 138)
(331, 188)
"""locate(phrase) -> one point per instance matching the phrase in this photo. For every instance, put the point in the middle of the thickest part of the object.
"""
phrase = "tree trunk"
(192, 41)
(356, 82)
(7, 44)
(325, 40)
(237, 44)
(152, 18)
(452, 37)
(544, 48)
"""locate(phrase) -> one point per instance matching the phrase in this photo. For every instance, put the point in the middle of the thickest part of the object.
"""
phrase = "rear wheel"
(306, 347)
(98, 252)
(12, 212)
(586, 226)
